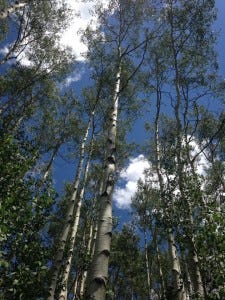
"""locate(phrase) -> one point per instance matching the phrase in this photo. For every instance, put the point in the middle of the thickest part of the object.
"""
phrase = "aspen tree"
(72, 237)
(84, 274)
(63, 238)
(186, 37)
(158, 66)
(162, 281)
(147, 265)
(198, 284)
(124, 40)
(99, 272)
(90, 244)
(178, 287)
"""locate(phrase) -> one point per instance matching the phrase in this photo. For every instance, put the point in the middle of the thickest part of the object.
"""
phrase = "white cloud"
(131, 174)
(20, 57)
(71, 37)
(75, 76)
(4, 50)
(135, 171)
(3, 53)
(201, 163)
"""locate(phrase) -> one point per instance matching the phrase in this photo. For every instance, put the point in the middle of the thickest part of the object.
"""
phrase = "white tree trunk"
(65, 277)
(147, 265)
(84, 275)
(195, 273)
(75, 287)
(189, 289)
(48, 167)
(178, 286)
(69, 214)
(11, 9)
(163, 285)
(99, 267)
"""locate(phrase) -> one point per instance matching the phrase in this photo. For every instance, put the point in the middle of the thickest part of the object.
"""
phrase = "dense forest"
(146, 59)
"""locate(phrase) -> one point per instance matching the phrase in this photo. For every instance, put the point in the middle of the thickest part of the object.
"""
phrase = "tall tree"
(58, 261)
(118, 39)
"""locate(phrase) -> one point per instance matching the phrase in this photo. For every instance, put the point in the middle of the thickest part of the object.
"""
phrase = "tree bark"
(49, 165)
(178, 292)
(99, 267)
(68, 218)
(177, 282)
(68, 264)
(198, 285)
(17, 5)
(195, 273)
(189, 289)
(147, 265)
(75, 286)
(84, 274)
(163, 285)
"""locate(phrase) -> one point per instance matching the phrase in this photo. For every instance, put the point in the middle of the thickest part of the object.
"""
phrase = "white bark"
(17, 5)
(179, 132)
(99, 267)
(84, 275)
(65, 277)
(90, 245)
(48, 167)
(195, 273)
(75, 287)
(68, 218)
(178, 286)
(163, 285)
(189, 289)
(198, 284)
(147, 265)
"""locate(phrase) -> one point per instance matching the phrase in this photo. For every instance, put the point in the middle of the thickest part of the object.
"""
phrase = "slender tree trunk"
(90, 247)
(195, 271)
(68, 264)
(178, 288)
(75, 287)
(132, 294)
(49, 165)
(94, 237)
(189, 289)
(84, 275)
(46, 173)
(68, 218)
(178, 292)
(99, 267)
(147, 265)
(198, 285)
(3, 108)
(18, 123)
(11, 9)
(13, 124)
(163, 285)
(93, 242)
(193, 257)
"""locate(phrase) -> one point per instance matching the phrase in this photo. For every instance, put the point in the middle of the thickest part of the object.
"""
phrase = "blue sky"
(135, 165)
(220, 26)
(64, 171)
